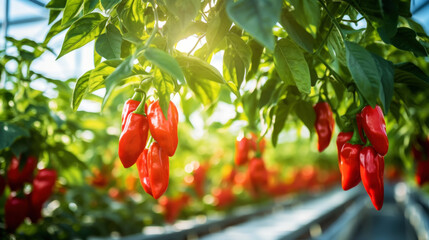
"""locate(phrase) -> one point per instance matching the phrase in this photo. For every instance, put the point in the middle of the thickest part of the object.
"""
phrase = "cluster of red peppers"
(19, 205)
(360, 159)
(420, 153)
(257, 173)
(152, 162)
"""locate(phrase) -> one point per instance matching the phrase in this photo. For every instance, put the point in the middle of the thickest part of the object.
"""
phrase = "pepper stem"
(356, 137)
(140, 109)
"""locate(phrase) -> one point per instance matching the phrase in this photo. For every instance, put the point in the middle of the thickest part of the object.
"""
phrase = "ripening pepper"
(129, 107)
(371, 172)
(374, 127)
(242, 147)
(133, 139)
(34, 211)
(342, 138)
(154, 171)
(349, 165)
(420, 153)
(324, 124)
(257, 173)
(163, 130)
(16, 177)
(16, 210)
(223, 197)
(422, 172)
(43, 185)
(171, 207)
(199, 179)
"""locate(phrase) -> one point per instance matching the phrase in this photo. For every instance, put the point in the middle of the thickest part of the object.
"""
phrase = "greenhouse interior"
(214, 119)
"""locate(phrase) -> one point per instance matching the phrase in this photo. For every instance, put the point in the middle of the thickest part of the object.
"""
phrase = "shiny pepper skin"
(258, 173)
(374, 127)
(342, 138)
(16, 177)
(164, 131)
(129, 106)
(16, 209)
(242, 147)
(350, 165)
(133, 139)
(43, 185)
(154, 171)
(371, 172)
(324, 124)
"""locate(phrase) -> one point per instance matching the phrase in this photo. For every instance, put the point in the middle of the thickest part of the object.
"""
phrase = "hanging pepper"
(324, 124)
(422, 172)
(258, 174)
(16, 209)
(371, 172)
(163, 130)
(374, 127)
(2, 185)
(153, 167)
(242, 147)
(199, 179)
(420, 152)
(257, 146)
(342, 138)
(349, 165)
(171, 207)
(16, 177)
(223, 197)
(43, 185)
(34, 211)
(134, 137)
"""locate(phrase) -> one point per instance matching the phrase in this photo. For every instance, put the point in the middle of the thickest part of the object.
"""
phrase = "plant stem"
(155, 27)
(334, 21)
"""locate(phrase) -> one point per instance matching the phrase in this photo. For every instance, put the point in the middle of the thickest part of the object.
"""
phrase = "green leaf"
(304, 110)
(218, 25)
(108, 4)
(202, 78)
(257, 50)
(389, 20)
(336, 47)
(53, 14)
(200, 68)
(122, 71)
(101, 72)
(267, 92)
(410, 74)
(108, 44)
(185, 10)
(165, 62)
(80, 90)
(131, 13)
(56, 4)
(257, 17)
(307, 13)
(164, 87)
(296, 32)
(10, 132)
(236, 60)
(386, 70)
(250, 100)
(89, 6)
(405, 39)
(291, 65)
(279, 119)
(82, 32)
(97, 58)
(72, 8)
(364, 71)
(55, 29)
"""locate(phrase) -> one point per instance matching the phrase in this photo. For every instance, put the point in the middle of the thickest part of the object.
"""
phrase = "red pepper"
(420, 152)
(374, 127)
(199, 179)
(129, 107)
(164, 131)
(242, 147)
(154, 170)
(422, 172)
(342, 138)
(258, 173)
(257, 146)
(371, 172)
(133, 139)
(16, 177)
(359, 122)
(144, 172)
(349, 165)
(171, 207)
(223, 197)
(43, 185)
(34, 211)
(324, 124)
(16, 210)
